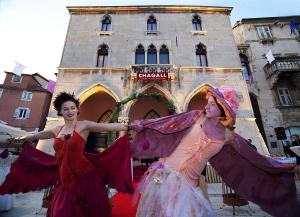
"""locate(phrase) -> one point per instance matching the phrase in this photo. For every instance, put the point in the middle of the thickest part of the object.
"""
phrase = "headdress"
(227, 98)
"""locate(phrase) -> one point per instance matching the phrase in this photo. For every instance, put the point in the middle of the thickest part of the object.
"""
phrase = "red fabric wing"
(115, 164)
(33, 170)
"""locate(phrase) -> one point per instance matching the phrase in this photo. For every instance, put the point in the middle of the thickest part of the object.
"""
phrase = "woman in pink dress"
(186, 142)
(79, 177)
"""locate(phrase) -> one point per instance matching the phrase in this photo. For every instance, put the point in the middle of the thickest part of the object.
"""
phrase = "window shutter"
(16, 114)
(27, 113)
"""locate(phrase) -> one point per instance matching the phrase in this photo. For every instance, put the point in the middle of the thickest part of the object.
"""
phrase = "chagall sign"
(151, 72)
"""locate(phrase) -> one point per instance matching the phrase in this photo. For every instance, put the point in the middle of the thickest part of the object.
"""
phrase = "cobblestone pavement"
(28, 205)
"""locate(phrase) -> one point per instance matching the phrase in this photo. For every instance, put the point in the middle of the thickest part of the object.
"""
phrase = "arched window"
(151, 24)
(106, 24)
(105, 117)
(151, 55)
(140, 54)
(102, 56)
(164, 55)
(196, 23)
(245, 66)
(151, 114)
(201, 55)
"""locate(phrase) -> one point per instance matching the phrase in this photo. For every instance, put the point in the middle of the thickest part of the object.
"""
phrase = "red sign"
(152, 76)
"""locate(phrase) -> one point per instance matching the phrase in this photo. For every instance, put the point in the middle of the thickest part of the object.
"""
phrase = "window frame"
(107, 25)
(152, 53)
(200, 55)
(285, 96)
(25, 95)
(245, 66)
(16, 76)
(195, 22)
(19, 113)
(166, 52)
(105, 51)
(264, 30)
(152, 17)
(139, 49)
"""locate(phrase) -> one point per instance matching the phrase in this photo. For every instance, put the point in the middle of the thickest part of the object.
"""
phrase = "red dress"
(81, 192)
(80, 177)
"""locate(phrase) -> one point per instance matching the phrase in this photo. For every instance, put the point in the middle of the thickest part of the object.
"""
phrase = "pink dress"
(170, 188)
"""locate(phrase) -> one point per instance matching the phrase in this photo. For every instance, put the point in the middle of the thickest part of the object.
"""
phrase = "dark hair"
(63, 97)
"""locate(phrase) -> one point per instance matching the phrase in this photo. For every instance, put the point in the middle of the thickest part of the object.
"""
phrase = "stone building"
(177, 51)
(270, 54)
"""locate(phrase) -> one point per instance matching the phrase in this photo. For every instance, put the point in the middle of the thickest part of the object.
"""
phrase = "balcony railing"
(282, 65)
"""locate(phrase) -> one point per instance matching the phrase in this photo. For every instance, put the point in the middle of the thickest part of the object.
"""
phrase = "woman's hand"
(136, 127)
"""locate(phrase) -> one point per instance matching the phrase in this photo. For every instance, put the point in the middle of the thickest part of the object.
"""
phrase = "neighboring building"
(25, 101)
(112, 52)
(275, 90)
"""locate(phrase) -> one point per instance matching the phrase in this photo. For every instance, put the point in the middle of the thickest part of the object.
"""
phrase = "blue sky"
(33, 32)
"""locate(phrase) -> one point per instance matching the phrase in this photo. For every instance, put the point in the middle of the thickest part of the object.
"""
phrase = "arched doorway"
(142, 107)
(97, 107)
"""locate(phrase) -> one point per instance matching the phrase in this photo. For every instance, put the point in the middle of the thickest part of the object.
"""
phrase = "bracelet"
(129, 127)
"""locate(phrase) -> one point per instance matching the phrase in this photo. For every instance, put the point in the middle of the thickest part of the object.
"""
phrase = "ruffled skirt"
(166, 193)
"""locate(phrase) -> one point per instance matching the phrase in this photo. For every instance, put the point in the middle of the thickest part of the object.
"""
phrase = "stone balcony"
(281, 67)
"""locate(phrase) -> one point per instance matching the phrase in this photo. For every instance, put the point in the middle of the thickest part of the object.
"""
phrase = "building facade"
(25, 101)
(270, 54)
(177, 51)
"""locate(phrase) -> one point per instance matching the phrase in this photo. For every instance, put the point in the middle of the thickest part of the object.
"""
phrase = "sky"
(33, 32)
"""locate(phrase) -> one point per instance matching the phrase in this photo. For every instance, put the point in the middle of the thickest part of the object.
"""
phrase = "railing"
(282, 65)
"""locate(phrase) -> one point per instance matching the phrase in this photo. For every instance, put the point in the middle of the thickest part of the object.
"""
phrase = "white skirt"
(166, 193)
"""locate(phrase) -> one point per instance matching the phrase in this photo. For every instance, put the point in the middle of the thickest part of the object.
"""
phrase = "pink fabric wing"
(159, 137)
(259, 179)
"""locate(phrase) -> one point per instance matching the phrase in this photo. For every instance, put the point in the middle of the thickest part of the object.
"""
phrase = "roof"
(32, 75)
(148, 8)
(267, 19)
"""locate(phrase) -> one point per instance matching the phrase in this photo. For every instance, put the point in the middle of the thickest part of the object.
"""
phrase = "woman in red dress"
(80, 190)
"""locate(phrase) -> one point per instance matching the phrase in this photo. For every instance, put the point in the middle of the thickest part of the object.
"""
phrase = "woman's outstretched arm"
(100, 127)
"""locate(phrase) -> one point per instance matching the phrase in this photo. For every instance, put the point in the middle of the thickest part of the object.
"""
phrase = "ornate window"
(201, 55)
(196, 23)
(164, 55)
(151, 114)
(140, 54)
(106, 23)
(151, 24)
(151, 55)
(102, 59)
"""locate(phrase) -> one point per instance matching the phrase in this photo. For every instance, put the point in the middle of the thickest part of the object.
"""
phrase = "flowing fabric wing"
(258, 178)
(33, 170)
(115, 164)
(159, 137)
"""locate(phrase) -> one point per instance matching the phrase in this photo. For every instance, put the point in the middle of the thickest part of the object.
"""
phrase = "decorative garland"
(136, 96)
